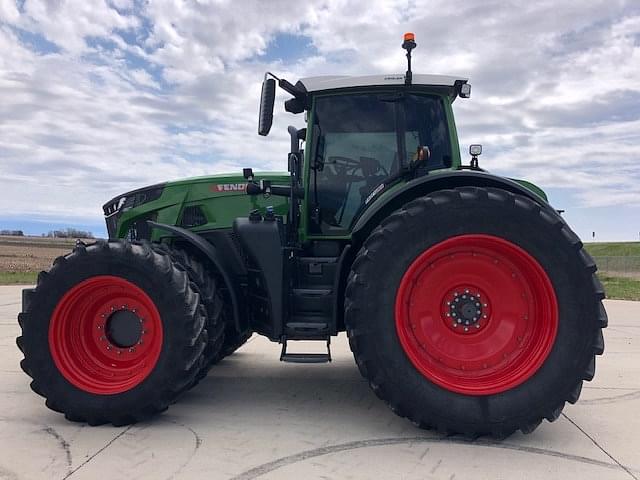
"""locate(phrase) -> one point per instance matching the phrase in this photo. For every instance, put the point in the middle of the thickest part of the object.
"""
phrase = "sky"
(100, 97)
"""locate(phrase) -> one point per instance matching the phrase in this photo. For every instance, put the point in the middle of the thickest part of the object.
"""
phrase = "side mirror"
(267, 101)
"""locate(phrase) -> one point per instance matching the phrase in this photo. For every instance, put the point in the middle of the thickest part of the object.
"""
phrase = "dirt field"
(31, 254)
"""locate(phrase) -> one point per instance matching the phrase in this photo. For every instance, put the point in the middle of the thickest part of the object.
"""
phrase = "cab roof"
(330, 82)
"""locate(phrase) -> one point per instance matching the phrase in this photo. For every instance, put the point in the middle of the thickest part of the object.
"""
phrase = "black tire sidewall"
(406, 388)
(156, 284)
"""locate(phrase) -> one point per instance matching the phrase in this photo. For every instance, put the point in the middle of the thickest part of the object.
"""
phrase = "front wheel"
(487, 313)
(113, 333)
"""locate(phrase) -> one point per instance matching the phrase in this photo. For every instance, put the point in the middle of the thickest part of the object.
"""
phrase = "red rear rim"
(476, 314)
(105, 335)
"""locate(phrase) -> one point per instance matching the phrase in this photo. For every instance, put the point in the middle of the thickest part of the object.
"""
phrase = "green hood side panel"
(221, 198)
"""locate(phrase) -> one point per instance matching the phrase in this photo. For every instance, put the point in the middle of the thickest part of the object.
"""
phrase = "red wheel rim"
(80, 342)
(494, 338)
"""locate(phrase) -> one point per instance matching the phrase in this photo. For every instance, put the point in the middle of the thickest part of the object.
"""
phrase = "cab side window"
(357, 150)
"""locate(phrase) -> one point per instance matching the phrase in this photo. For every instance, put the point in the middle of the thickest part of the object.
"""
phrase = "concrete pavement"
(255, 418)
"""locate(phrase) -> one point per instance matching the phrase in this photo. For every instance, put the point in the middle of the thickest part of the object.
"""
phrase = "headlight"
(132, 199)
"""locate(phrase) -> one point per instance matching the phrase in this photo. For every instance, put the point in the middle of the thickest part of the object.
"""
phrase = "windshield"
(363, 140)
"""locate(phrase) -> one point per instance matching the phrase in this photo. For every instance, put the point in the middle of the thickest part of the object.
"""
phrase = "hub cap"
(476, 314)
(105, 335)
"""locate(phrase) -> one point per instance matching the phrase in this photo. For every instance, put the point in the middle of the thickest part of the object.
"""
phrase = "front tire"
(508, 354)
(113, 333)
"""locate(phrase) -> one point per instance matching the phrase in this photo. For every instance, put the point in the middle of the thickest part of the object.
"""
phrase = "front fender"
(212, 254)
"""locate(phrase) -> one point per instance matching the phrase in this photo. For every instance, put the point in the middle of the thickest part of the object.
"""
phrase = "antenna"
(409, 44)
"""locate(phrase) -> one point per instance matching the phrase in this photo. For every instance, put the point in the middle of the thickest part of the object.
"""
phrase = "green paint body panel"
(220, 207)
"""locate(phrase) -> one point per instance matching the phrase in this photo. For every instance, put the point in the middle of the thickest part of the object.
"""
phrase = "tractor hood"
(165, 202)
(219, 183)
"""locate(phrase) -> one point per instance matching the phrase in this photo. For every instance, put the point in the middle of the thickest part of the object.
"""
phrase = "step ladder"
(305, 357)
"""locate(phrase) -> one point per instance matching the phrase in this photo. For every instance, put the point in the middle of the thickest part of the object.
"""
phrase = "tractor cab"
(366, 139)
(364, 135)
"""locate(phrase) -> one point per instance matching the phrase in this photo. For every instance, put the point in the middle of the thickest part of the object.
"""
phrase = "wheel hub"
(123, 328)
(466, 309)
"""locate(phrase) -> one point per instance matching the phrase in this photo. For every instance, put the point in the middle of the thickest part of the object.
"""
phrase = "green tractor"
(469, 304)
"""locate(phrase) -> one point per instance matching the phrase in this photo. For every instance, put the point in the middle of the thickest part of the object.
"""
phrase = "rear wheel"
(114, 333)
(487, 313)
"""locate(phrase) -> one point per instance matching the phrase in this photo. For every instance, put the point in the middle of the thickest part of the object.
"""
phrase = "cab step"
(305, 357)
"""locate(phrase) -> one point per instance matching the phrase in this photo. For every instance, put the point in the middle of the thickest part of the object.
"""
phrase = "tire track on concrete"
(107, 445)
(613, 399)
(268, 467)
(197, 443)
(63, 444)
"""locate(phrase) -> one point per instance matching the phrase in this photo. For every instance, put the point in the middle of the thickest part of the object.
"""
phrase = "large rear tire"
(113, 333)
(475, 311)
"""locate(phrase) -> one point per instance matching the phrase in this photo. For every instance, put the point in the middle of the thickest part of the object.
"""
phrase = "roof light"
(409, 37)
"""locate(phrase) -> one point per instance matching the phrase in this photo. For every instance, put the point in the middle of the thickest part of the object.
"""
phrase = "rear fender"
(395, 199)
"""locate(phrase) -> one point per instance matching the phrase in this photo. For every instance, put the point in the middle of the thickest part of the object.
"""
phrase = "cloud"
(100, 97)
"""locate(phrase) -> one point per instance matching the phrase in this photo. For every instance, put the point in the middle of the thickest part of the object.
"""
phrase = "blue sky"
(101, 97)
